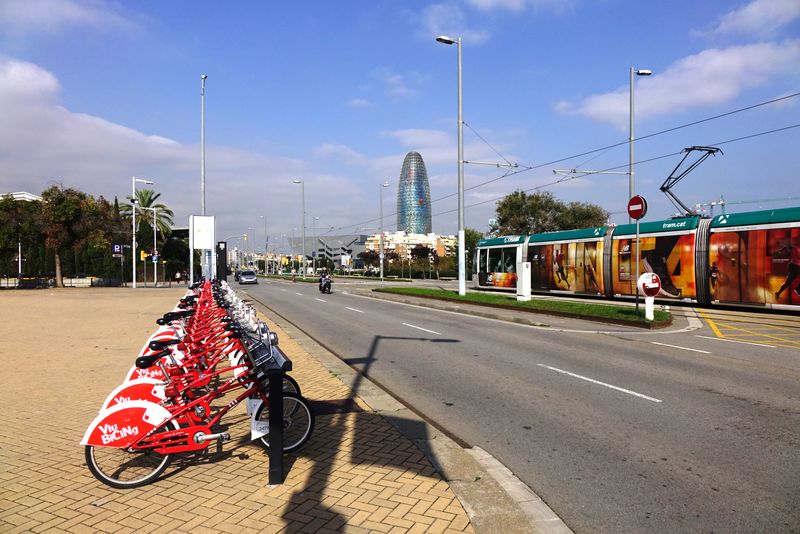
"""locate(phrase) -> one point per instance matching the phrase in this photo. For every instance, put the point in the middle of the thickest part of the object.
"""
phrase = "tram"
(750, 258)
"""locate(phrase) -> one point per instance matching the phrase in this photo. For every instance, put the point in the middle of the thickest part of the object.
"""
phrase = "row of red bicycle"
(211, 344)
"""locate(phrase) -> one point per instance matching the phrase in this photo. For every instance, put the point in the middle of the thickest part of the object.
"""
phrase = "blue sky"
(335, 94)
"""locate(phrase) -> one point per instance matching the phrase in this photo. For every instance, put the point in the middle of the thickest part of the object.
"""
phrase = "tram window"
(482, 261)
(495, 260)
(501, 260)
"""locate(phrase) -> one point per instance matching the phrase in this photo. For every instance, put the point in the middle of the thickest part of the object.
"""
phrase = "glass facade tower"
(414, 197)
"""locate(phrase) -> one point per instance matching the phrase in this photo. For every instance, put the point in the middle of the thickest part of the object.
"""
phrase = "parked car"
(247, 277)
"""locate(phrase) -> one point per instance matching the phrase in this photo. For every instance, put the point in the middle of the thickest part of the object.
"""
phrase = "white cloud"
(360, 103)
(48, 16)
(340, 153)
(759, 17)
(517, 6)
(713, 76)
(449, 19)
(398, 85)
(42, 142)
(419, 139)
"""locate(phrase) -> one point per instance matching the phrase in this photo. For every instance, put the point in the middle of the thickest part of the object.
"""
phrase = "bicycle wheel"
(298, 422)
(124, 468)
(290, 385)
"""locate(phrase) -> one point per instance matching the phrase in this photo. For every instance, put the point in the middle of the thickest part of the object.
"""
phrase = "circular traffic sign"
(637, 207)
(649, 284)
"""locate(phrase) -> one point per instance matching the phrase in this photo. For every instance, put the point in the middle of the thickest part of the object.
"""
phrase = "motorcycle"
(325, 284)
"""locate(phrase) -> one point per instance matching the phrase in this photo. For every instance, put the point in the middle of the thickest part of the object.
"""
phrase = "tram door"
(727, 251)
(540, 275)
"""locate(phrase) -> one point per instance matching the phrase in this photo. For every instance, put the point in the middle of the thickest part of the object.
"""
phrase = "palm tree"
(145, 204)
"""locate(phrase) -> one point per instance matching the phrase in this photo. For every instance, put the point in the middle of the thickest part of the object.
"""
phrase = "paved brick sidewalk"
(63, 351)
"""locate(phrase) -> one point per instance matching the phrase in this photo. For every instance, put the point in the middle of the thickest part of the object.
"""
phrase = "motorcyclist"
(325, 281)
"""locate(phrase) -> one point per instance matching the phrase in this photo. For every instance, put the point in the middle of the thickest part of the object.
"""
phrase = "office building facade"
(414, 197)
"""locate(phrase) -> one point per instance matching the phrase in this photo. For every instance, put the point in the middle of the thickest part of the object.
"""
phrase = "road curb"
(494, 499)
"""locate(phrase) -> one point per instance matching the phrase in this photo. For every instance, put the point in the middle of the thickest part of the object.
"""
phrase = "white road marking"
(298, 294)
(353, 309)
(423, 329)
(735, 341)
(678, 347)
(320, 300)
(593, 381)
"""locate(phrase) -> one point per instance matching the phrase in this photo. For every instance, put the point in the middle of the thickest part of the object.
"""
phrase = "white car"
(248, 277)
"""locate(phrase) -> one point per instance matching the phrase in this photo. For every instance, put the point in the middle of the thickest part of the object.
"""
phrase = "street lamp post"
(303, 209)
(155, 270)
(266, 242)
(314, 250)
(631, 188)
(380, 195)
(134, 180)
(252, 242)
(204, 263)
(462, 280)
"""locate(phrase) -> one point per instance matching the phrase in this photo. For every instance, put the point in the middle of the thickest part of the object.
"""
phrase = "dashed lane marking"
(736, 341)
(420, 328)
(593, 381)
(679, 347)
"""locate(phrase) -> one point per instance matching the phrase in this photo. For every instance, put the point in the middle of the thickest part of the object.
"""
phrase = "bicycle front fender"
(123, 424)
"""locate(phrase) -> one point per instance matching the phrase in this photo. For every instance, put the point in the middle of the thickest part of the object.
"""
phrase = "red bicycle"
(132, 443)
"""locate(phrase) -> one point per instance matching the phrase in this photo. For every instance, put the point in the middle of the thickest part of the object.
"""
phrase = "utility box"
(524, 281)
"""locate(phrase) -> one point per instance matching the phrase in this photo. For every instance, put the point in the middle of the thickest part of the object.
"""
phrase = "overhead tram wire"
(622, 143)
(673, 154)
(525, 168)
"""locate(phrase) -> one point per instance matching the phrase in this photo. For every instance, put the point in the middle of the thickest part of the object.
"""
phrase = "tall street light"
(315, 221)
(134, 180)
(266, 241)
(252, 243)
(303, 206)
(155, 270)
(631, 188)
(203, 79)
(380, 192)
(462, 279)
(205, 259)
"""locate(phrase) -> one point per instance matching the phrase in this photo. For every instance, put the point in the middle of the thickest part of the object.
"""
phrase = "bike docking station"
(272, 365)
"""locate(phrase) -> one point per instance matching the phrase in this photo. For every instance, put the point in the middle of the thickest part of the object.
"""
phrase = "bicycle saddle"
(143, 362)
(161, 344)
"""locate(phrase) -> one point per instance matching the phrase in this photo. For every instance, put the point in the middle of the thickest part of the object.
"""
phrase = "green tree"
(369, 257)
(471, 238)
(145, 204)
(582, 215)
(522, 214)
(20, 225)
(73, 220)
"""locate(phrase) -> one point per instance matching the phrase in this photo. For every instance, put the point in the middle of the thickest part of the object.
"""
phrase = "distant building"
(402, 243)
(22, 195)
(414, 197)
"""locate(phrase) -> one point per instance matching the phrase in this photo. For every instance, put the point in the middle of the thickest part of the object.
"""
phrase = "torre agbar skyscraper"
(414, 196)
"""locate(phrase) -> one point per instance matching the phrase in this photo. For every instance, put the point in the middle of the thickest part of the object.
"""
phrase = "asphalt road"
(617, 432)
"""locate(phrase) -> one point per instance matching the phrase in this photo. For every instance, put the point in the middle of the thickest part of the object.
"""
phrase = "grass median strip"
(588, 310)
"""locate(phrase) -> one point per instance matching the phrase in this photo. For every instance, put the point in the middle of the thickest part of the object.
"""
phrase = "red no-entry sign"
(637, 207)
(649, 284)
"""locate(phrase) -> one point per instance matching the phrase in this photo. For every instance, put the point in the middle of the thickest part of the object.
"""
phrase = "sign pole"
(637, 208)
(637, 266)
